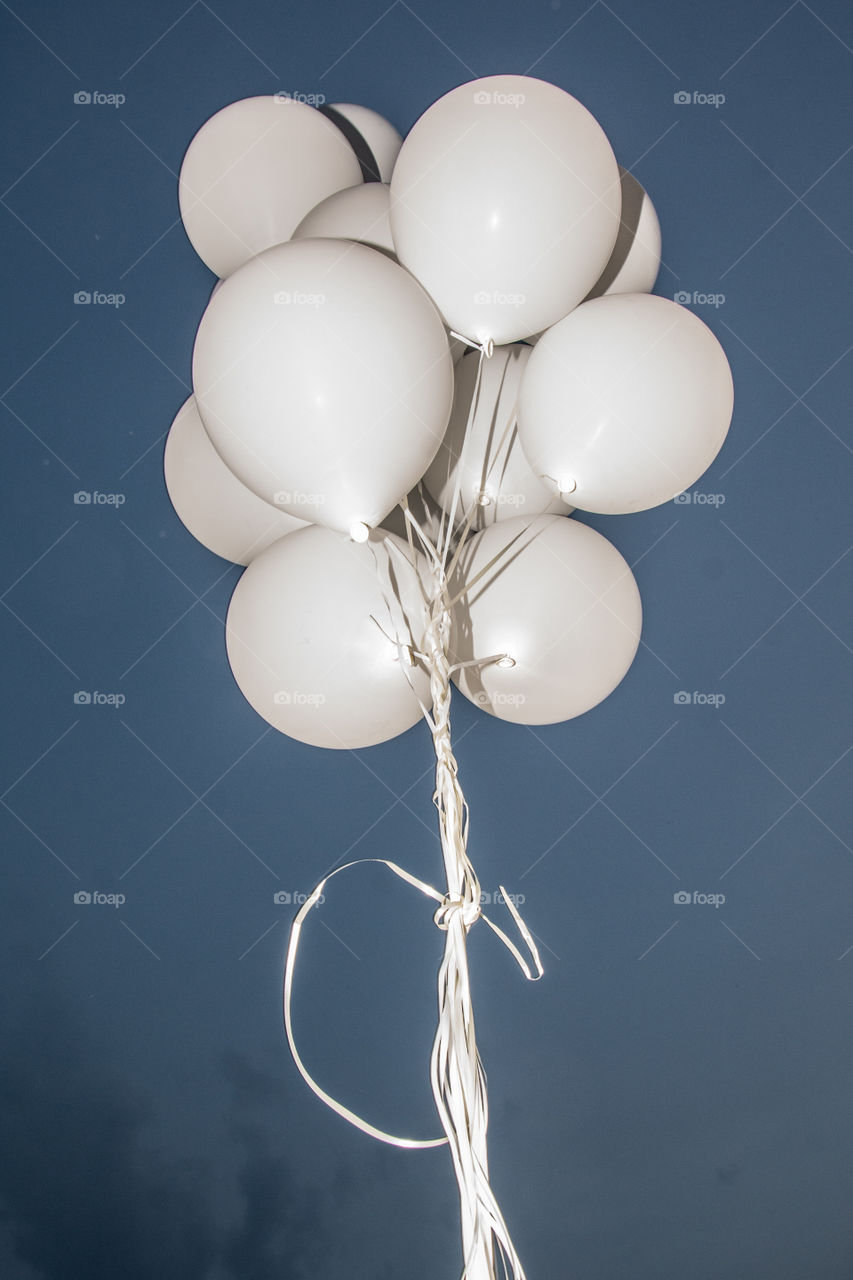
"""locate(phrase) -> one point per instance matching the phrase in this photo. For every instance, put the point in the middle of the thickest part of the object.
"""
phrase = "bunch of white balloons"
(331, 379)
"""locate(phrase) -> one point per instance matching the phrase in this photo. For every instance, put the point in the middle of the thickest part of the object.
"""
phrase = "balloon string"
(486, 350)
(457, 487)
(444, 911)
(290, 964)
(456, 1071)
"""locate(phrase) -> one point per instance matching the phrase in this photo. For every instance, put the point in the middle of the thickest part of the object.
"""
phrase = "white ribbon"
(446, 908)
(456, 1072)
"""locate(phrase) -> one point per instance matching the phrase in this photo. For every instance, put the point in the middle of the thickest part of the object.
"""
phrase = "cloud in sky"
(82, 1195)
(91, 1189)
(86, 1194)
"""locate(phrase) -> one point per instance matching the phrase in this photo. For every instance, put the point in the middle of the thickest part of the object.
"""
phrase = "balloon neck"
(359, 532)
(564, 487)
(506, 663)
(486, 347)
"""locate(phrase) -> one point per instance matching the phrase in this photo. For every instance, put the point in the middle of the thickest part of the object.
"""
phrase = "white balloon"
(625, 403)
(215, 506)
(253, 171)
(423, 509)
(358, 213)
(305, 649)
(380, 135)
(486, 458)
(505, 204)
(561, 604)
(323, 377)
(635, 260)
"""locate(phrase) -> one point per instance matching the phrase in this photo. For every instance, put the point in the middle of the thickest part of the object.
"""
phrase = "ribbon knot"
(453, 903)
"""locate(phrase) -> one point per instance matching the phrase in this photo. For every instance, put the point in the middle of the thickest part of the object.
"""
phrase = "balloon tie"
(487, 346)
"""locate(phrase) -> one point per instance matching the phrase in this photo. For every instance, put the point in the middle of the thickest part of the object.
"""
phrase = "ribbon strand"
(445, 909)
(456, 1071)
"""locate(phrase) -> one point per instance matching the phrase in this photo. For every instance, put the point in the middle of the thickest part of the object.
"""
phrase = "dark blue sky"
(674, 1098)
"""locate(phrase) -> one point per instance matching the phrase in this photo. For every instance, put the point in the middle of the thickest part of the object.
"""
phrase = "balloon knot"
(486, 347)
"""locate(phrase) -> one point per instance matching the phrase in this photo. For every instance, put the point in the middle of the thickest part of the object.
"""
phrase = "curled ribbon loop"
(292, 949)
(447, 907)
